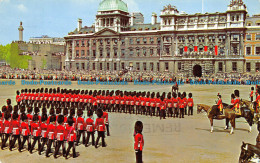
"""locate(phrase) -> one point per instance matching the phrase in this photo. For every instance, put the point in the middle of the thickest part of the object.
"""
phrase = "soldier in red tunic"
(163, 106)
(175, 105)
(60, 136)
(51, 132)
(7, 129)
(185, 102)
(105, 117)
(90, 128)
(25, 132)
(15, 130)
(100, 127)
(137, 103)
(152, 104)
(158, 104)
(169, 105)
(181, 106)
(81, 126)
(138, 141)
(36, 132)
(1, 126)
(44, 136)
(71, 137)
(219, 104)
(190, 104)
(147, 103)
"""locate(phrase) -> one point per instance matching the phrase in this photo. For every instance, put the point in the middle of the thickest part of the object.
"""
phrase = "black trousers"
(176, 112)
(35, 139)
(15, 137)
(5, 138)
(152, 111)
(59, 143)
(44, 141)
(25, 138)
(107, 127)
(163, 114)
(50, 142)
(139, 156)
(181, 113)
(190, 112)
(88, 136)
(170, 112)
(71, 145)
(101, 134)
(81, 132)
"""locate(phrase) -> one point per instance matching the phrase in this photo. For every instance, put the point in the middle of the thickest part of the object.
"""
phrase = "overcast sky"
(56, 18)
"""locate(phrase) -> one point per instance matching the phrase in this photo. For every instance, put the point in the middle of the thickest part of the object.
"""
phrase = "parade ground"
(170, 140)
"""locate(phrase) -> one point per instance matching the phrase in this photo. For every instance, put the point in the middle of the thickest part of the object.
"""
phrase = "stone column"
(228, 44)
(242, 49)
(73, 50)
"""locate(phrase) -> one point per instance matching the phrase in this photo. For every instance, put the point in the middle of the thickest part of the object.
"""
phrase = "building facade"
(191, 44)
(252, 44)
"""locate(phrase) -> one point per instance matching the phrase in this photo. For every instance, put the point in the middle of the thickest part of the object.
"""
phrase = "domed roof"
(110, 5)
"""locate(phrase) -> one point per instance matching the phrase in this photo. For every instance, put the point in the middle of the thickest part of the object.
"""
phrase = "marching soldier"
(139, 141)
(190, 104)
(100, 127)
(90, 128)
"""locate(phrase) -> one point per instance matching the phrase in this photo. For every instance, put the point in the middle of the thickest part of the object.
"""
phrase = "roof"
(111, 5)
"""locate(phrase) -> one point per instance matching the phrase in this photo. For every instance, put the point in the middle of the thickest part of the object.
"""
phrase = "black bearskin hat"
(236, 92)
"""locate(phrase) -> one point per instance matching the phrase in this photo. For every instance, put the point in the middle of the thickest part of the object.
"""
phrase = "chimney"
(21, 31)
(154, 18)
(132, 19)
(79, 24)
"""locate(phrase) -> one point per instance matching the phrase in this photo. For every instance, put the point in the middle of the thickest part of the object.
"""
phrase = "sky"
(56, 18)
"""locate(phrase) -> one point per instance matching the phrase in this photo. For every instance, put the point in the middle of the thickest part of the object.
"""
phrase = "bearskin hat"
(190, 95)
(236, 92)
(138, 127)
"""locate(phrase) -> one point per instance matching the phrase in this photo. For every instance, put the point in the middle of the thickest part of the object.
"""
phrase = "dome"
(110, 5)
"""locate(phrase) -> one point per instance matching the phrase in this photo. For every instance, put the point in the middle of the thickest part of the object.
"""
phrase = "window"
(131, 51)
(220, 66)
(151, 51)
(158, 51)
(138, 52)
(115, 53)
(108, 54)
(158, 67)
(115, 66)
(77, 66)
(151, 66)
(158, 40)
(94, 53)
(167, 50)
(123, 42)
(179, 65)
(144, 50)
(101, 42)
(257, 67)
(131, 41)
(82, 43)
(94, 66)
(144, 66)
(248, 67)
(235, 37)
(123, 52)
(115, 41)
(166, 66)
(234, 66)
(257, 37)
(82, 53)
(257, 50)
(101, 53)
(151, 40)
(100, 66)
(248, 50)
(232, 18)
(248, 37)
(108, 41)
(137, 66)
(123, 66)
(138, 40)
(145, 40)
(257, 24)
(108, 66)
(83, 66)
(94, 42)
(77, 53)
(181, 50)
(77, 43)
(249, 24)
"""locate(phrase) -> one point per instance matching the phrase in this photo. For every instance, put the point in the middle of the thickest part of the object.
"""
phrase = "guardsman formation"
(56, 128)
(56, 118)
(144, 103)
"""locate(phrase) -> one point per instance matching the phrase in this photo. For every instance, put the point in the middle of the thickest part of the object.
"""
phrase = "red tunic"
(90, 125)
(60, 132)
(24, 129)
(105, 117)
(81, 123)
(139, 142)
(99, 125)
(35, 129)
(15, 127)
(51, 131)
(7, 127)
(44, 127)
(70, 133)
(190, 102)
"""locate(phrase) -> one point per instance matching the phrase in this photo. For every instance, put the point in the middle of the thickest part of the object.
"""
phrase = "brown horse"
(248, 151)
(247, 112)
(211, 111)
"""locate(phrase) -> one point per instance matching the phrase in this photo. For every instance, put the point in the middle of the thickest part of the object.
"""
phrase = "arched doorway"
(197, 71)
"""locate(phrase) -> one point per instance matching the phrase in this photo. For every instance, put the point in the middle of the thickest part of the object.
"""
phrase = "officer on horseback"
(232, 101)
(251, 95)
(237, 103)
(257, 101)
(219, 104)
